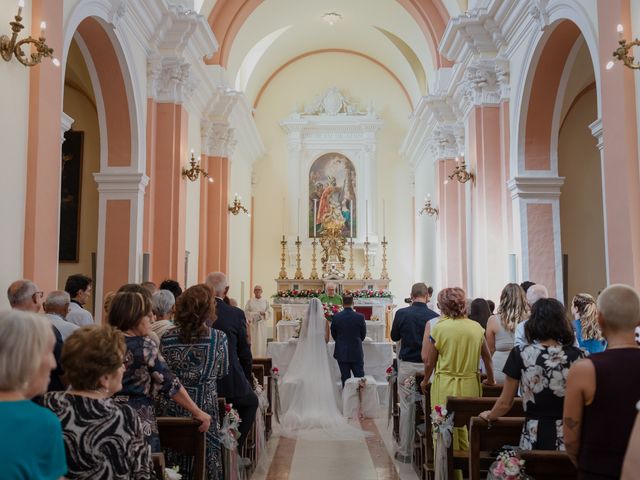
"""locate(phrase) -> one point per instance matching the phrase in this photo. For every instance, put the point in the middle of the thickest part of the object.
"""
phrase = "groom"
(349, 330)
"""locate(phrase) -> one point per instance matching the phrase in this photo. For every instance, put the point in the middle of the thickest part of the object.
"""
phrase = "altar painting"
(332, 194)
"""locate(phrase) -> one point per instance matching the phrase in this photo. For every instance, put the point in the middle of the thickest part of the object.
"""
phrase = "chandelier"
(195, 170)
(236, 207)
(428, 208)
(623, 52)
(460, 173)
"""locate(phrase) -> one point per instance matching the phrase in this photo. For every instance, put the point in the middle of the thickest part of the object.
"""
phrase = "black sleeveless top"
(607, 422)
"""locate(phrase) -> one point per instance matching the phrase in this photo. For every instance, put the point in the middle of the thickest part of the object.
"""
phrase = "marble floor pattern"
(322, 458)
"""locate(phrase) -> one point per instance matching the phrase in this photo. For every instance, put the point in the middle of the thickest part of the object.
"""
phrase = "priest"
(331, 297)
(258, 313)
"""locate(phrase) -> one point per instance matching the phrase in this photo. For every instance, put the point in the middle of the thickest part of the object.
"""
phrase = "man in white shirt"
(79, 287)
(56, 306)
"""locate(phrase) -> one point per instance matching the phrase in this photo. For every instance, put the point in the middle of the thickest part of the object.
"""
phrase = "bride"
(309, 392)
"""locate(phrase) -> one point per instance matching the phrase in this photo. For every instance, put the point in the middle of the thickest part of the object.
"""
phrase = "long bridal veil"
(309, 393)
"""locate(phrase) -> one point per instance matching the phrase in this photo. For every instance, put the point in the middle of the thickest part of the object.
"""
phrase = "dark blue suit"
(349, 330)
(408, 327)
(235, 386)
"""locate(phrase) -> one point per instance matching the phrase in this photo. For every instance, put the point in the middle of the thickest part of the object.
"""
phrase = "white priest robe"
(258, 313)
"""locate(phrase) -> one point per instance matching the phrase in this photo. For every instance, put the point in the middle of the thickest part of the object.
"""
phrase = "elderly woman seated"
(31, 445)
(164, 308)
(103, 439)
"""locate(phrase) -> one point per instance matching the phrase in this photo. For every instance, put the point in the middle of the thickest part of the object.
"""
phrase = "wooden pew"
(420, 431)
(485, 440)
(181, 435)
(548, 465)
(267, 365)
(158, 465)
(465, 408)
(396, 405)
(492, 391)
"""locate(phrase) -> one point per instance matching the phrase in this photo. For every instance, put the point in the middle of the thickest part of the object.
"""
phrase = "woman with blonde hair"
(103, 439)
(585, 323)
(31, 445)
(501, 327)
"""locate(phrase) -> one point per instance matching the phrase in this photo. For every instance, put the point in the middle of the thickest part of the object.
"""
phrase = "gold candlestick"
(299, 275)
(283, 257)
(384, 274)
(351, 274)
(366, 275)
(314, 272)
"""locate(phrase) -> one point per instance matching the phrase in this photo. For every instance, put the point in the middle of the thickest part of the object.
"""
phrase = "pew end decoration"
(275, 375)
(442, 426)
(508, 466)
(172, 473)
(392, 376)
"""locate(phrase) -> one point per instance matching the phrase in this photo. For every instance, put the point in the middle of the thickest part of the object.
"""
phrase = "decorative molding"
(333, 103)
(65, 125)
(170, 79)
(534, 187)
(121, 182)
(597, 132)
(218, 138)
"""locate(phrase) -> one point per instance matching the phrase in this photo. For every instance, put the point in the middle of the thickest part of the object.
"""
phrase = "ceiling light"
(332, 18)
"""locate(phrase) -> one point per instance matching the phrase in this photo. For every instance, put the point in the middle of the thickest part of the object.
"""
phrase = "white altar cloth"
(378, 356)
(287, 329)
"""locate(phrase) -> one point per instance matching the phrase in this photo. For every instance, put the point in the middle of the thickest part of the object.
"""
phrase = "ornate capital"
(535, 187)
(538, 10)
(447, 141)
(485, 82)
(218, 138)
(169, 79)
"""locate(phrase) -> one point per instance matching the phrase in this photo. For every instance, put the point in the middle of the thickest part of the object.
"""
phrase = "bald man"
(25, 295)
(258, 314)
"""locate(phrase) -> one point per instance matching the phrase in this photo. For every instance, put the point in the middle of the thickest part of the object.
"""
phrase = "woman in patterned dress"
(540, 370)
(198, 355)
(103, 439)
(146, 375)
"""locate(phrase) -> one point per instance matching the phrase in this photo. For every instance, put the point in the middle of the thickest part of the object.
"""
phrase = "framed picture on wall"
(70, 196)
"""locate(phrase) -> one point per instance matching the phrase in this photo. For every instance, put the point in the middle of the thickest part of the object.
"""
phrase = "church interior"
(376, 155)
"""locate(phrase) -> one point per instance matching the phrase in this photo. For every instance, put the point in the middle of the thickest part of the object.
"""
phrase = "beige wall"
(581, 217)
(240, 232)
(14, 98)
(300, 83)
(79, 104)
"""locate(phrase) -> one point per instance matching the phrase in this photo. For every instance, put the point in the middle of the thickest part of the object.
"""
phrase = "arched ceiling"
(258, 38)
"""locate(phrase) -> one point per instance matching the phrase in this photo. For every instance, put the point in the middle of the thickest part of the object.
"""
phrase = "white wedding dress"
(308, 391)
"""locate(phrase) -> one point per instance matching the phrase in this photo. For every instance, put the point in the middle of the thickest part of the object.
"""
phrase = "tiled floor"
(323, 458)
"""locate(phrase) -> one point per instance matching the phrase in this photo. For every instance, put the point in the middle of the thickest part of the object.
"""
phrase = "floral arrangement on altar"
(297, 294)
(229, 432)
(330, 310)
(364, 293)
(508, 466)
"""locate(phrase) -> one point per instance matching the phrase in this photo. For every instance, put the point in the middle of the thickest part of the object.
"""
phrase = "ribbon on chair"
(444, 435)
(275, 375)
(409, 395)
(229, 435)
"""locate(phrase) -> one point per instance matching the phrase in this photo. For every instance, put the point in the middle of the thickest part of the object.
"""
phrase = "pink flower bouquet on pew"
(508, 466)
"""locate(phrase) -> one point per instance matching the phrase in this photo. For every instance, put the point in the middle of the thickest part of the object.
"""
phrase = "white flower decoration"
(554, 357)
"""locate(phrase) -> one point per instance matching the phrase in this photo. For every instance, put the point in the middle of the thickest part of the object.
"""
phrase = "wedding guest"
(331, 296)
(526, 285)
(172, 286)
(258, 314)
(146, 374)
(603, 390)
(164, 307)
(106, 305)
(479, 311)
(146, 293)
(56, 306)
(454, 350)
(79, 288)
(199, 356)
(540, 370)
(501, 328)
(492, 306)
(25, 295)
(236, 386)
(408, 328)
(103, 439)
(31, 445)
(585, 324)
(631, 465)
(533, 293)
(150, 286)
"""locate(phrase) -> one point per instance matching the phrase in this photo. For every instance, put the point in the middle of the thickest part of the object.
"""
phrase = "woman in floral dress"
(198, 355)
(146, 373)
(540, 370)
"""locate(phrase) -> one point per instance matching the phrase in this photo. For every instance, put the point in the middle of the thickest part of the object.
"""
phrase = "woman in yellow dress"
(454, 348)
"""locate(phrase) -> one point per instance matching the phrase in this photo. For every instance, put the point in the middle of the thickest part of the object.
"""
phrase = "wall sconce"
(195, 171)
(11, 46)
(236, 207)
(428, 209)
(622, 53)
(460, 173)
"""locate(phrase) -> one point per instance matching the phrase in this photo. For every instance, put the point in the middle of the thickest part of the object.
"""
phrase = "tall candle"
(298, 217)
(284, 215)
(384, 229)
(351, 218)
(315, 212)
(366, 217)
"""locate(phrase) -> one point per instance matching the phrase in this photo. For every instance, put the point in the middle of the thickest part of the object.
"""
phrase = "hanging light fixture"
(460, 173)
(623, 53)
(428, 208)
(195, 170)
